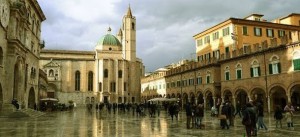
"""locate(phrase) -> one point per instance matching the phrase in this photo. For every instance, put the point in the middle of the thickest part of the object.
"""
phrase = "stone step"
(31, 112)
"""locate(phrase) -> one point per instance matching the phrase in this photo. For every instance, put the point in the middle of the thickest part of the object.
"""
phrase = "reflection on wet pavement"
(82, 123)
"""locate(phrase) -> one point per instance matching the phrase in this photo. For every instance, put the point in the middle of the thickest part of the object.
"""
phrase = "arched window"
(105, 73)
(238, 69)
(208, 79)
(1, 56)
(90, 81)
(227, 73)
(51, 73)
(132, 25)
(296, 60)
(77, 80)
(274, 65)
(120, 73)
(255, 69)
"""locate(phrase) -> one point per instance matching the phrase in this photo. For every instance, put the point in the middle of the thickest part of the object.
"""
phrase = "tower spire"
(129, 14)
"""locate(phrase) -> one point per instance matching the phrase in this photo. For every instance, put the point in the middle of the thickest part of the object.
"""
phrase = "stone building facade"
(240, 60)
(111, 73)
(20, 45)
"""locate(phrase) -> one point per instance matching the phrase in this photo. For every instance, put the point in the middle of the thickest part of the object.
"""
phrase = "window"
(105, 73)
(191, 81)
(281, 33)
(216, 54)
(208, 79)
(120, 73)
(199, 42)
(215, 35)
(1, 56)
(125, 86)
(255, 69)
(226, 31)
(132, 25)
(206, 40)
(100, 86)
(90, 81)
(274, 66)
(246, 48)
(178, 83)
(51, 73)
(257, 31)
(245, 30)
(296, 60)
(77, 81)
(238, 71)
(238, 74)
(199, 80)
(227, 74)
(270, 33)
(113, 86)
(226, 49)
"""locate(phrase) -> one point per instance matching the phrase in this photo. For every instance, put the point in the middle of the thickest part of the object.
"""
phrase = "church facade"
(109, 74)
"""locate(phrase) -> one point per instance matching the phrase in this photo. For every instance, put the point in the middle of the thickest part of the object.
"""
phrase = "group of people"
(253, 117)
(194, 115)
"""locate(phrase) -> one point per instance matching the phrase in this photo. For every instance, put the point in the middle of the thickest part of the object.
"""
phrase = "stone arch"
(173, 95)
(227, 95)
(18, 79)
(295, 94)
(278, 96)
(1, 56)
(31, 98)
(168, 95)
(178, 95)
(192, 98)
(200, 99)
(209, 99)
(241, 96)
(185, 98)
(258, 94)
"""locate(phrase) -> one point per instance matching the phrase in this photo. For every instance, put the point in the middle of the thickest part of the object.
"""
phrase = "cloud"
(165, 29)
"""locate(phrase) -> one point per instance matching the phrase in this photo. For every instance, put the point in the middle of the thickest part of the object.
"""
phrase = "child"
(289, 119)
(278, 116)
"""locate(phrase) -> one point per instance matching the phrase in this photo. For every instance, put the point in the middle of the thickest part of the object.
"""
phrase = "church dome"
(109, 39)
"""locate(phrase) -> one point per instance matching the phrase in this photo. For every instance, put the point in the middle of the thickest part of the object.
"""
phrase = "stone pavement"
(82, 123)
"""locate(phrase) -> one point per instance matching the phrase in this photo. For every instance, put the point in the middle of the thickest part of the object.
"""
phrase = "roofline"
(38, 8)
(238, 21)
(254, 14)
(289, 16)
(67, 51)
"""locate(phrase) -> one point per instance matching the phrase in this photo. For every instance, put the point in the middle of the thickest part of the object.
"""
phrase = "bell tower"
(129, 36)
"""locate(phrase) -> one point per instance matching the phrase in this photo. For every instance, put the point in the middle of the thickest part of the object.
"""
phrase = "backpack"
(247, 120)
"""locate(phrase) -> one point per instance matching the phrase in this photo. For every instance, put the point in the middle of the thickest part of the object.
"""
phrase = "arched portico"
(31, 98)
(173, 95)
(278, 97)
(168, 95)
(185, 99)
(258, 95)
(192, 98)
(295, 95)
(241, 97)
(227, 96)
(208, 99)
(18, 79)
(200, 99)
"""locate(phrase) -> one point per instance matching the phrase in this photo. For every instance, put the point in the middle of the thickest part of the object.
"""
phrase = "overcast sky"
(165, 28)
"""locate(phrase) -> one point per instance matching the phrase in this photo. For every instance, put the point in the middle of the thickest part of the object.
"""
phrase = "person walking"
(289, 119)
(278, 116)
(238, 109)
(260, 120)
(188, 110)
(224, 111)
(248, 119)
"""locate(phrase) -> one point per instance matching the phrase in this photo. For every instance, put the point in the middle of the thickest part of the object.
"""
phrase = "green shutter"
(296, 64)
(251, 72)
(239, 74)
(270, 69)
(227, 75)
(258, 71)
(254, 32)
(279, 67)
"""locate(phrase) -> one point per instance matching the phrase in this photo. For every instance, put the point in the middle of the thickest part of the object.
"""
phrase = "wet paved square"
(83, 123)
